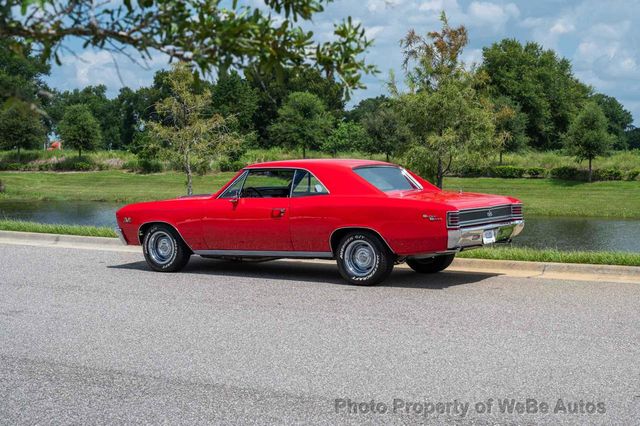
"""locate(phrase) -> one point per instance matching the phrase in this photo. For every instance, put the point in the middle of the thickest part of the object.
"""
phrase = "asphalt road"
(93, 337)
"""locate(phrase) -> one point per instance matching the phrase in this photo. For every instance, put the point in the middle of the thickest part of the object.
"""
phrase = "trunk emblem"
(489, 213)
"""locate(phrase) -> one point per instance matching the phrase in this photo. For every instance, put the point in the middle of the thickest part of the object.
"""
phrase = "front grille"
(495, 214)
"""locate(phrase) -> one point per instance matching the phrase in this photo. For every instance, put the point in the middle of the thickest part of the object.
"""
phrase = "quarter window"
(306, 184)
(233, 191)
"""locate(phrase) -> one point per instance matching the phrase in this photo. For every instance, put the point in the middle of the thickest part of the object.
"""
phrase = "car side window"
(306, 184)
(267, 183)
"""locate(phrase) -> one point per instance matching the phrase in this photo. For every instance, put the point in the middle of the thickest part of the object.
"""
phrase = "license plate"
(489, 237)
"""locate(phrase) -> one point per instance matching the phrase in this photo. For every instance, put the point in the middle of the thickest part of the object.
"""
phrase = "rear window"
(388, 179)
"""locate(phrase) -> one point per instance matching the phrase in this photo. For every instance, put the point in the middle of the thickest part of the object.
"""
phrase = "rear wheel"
(363, 259)
(432, 264)
(164, 249)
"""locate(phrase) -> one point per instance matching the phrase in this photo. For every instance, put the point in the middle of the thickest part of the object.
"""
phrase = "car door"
(252, 214)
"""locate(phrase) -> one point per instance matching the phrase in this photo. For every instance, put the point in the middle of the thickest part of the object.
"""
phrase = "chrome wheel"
(161, 247)
(359, 258)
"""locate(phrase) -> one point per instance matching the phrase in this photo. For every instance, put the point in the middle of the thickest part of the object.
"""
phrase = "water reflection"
(565, 233)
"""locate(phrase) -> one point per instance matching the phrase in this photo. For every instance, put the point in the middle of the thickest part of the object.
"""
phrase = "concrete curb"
(567, 271)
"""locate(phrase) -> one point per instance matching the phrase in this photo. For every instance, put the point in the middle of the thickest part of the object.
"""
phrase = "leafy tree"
(21, 72)
(185, 134)
(365, 107)
(273, 92)
(106, 111)
(510, 125)
(233, 95)
(587, 137)
(387, 133)
(540, 82)
(214, 35)
(302, 122)
(79, 129)
(620, 120)
(21, 128)
(633, 137)
(348, 136)
(446, 114)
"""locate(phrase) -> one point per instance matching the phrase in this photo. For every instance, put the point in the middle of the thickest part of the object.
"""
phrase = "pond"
(566, 233)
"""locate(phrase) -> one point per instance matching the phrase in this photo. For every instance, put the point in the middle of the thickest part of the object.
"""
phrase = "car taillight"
(453, 219)
(516, 210)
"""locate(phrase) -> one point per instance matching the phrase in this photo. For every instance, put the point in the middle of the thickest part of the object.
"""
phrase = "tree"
(387, 133)
(446, 114)
(302, 122)
(587, 137)
(106, 111)
(21, 128)
(79, 129)
(214, 35)
(510, 125)
(21, 72)
(452, 122)
(633, 137)
(233, 95)
(365, 107)
(273, 92)
(619, 119)
(540, 82)
(348, 136)
(185, 134)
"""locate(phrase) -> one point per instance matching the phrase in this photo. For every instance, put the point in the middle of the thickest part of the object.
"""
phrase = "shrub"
(149, 166)
(131, 165)
(633, 174)
(568, 173)
(11, 167)
(1, 186)
(76, 164)
(607, 174)
(230, 166)
(536, 172)
(507, 172)
(472, 171)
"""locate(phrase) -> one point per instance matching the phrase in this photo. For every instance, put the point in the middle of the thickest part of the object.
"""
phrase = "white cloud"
(491, 15)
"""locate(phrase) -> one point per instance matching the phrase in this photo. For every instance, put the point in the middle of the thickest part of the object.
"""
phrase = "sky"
(600, 38)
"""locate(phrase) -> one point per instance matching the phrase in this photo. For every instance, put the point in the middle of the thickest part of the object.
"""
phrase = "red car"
(368, 215)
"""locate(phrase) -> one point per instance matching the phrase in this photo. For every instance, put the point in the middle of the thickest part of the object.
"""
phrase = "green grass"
(550, 197)
(552, 255)
(541, 196)
(112, 185)
(43, 228)
(623, 160)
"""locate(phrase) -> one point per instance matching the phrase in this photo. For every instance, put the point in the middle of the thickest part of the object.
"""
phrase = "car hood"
(459, 200)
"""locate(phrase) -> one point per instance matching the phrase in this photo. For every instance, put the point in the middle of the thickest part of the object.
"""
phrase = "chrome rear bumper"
(120, 235)
(471, 237)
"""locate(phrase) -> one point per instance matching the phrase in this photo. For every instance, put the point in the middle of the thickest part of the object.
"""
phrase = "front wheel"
(363, 259)
(164, 249)
(432, 264)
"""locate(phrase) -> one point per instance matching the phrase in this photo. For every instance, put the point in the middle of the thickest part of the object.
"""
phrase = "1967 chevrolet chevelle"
(368, 215)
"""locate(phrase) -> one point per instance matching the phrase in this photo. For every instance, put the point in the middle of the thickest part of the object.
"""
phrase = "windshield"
(388, 178)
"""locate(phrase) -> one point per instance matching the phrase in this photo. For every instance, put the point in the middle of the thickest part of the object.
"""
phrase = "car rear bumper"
(472, 237)
(120, 235)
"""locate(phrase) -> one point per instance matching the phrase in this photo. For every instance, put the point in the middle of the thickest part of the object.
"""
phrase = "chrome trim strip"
(266, 253)
(484, 208)
(120, 235)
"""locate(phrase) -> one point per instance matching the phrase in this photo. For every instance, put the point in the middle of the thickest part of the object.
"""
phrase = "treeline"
(520, 97)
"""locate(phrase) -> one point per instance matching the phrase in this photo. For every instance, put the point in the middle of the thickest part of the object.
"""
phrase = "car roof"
(322, 162)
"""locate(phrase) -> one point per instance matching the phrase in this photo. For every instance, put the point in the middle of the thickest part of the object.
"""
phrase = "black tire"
(372, 263)
(431, 265)
(164, 249)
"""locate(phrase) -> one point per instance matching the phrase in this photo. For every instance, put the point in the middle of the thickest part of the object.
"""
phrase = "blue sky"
(601, 38)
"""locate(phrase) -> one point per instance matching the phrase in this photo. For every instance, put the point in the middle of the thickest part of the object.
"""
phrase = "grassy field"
(495, 253)
(540, 196)
(551, 255)
(43, 228)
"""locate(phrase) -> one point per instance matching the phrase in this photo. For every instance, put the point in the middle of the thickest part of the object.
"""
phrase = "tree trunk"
(439, 176)
(18, 152)
(79, 152)
(304, 151)
(187, 169)
(387, 154)
(590, 171)
(500, 162)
